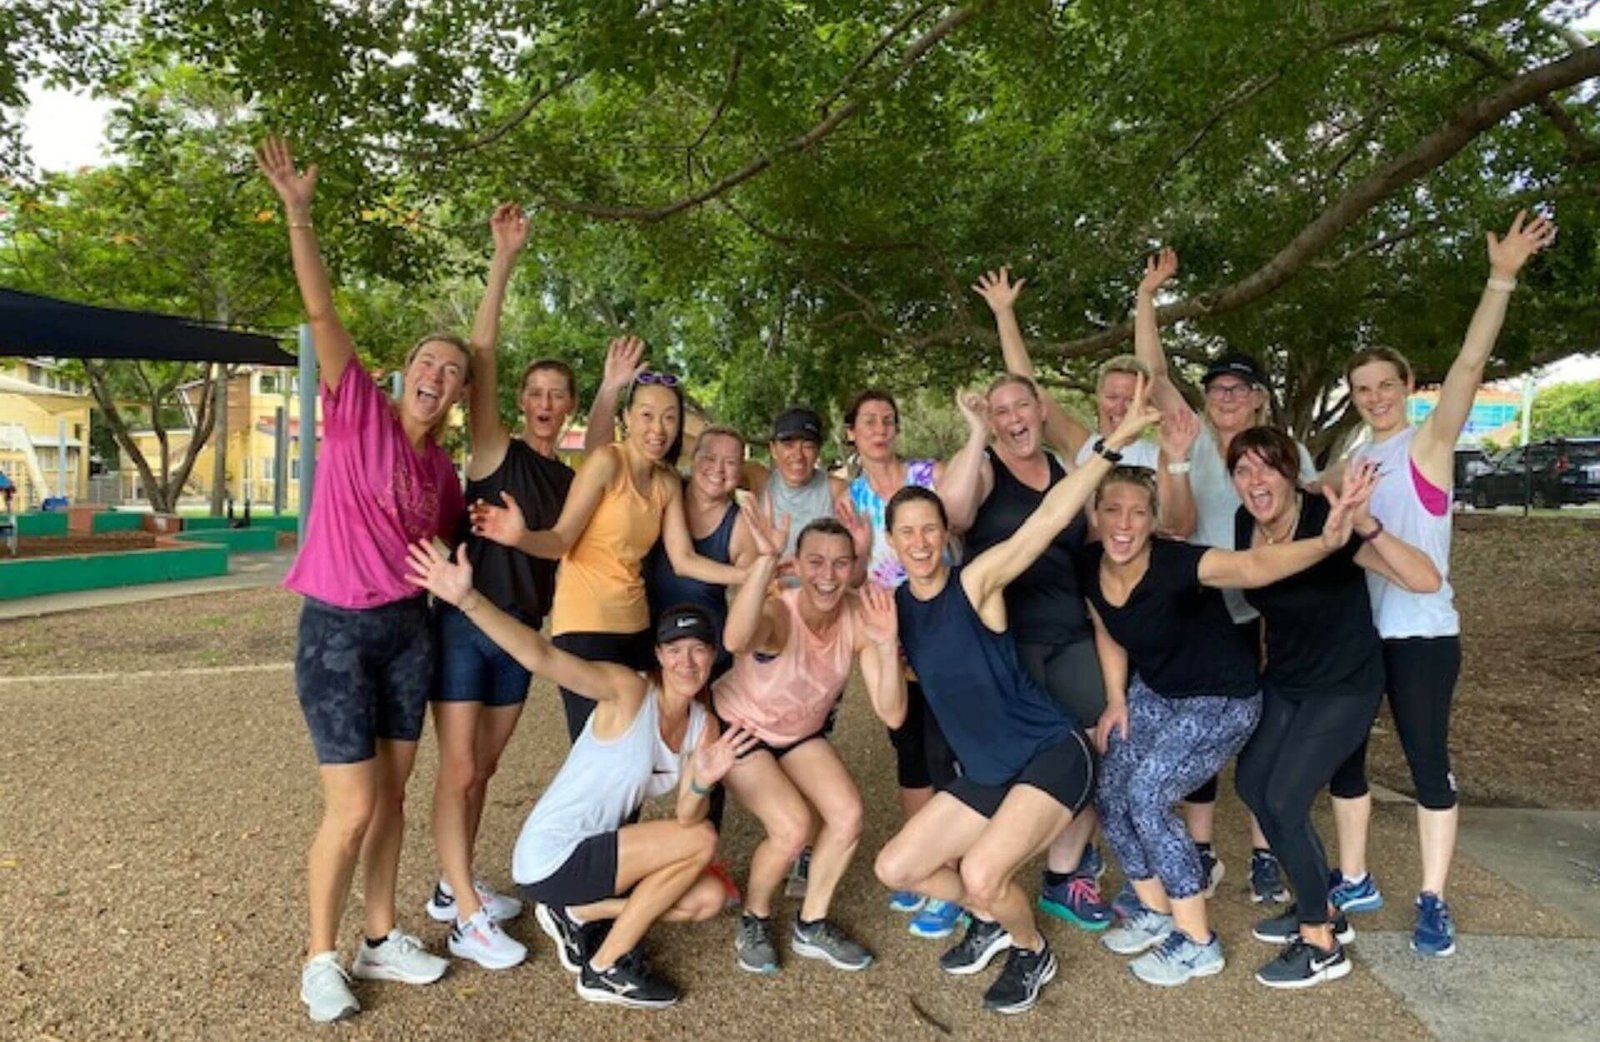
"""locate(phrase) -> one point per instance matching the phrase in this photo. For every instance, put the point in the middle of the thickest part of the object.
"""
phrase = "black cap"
(797, 423)
(1235, 363)
(685, 620)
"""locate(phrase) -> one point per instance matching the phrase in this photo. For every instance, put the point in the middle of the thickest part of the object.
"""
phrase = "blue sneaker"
(937, 919)
(1126, 905)
(1077, 901)
(907, 902)
(1435, 933)
(1179, 960)
(1138, 933)
(1266, 879)
(1350, 896)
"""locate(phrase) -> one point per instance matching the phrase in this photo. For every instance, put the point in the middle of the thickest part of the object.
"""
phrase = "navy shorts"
(1065, 772)
(363, 674)
(473, 668)
(589, 874)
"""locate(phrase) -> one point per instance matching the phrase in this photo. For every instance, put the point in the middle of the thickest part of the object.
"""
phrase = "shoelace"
(754, 932)
(1171, 948)
(1082, 890)
(405, 944)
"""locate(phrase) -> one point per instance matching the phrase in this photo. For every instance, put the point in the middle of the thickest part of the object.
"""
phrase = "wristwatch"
(1181, 467)
(1107, 453)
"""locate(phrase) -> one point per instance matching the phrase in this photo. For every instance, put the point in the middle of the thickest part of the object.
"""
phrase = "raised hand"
(975, 407)
(1344, 506)
(294, 187)
(713, 761)
(509, 228)
(434, 572)
(880, 619)
(624, 361)
(1140, 415)
(1179, 429)
(1159, 268)
(769, 539)
(860, 528)
(500, 524)
(1508, 255)
(997, 289)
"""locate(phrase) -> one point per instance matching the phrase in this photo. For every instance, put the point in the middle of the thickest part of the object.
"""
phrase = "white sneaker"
(441, 907)
(401, 957)
(325, 989)
(481, 940)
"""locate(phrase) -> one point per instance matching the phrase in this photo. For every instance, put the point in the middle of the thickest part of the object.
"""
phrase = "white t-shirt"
(1142, 453)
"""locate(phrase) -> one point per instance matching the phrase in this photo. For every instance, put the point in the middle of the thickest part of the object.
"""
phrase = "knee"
(703, 902)
(845, 821)
(348, 821)
(895, 869)
(483, 770)
(703, 842)
(789, 834)
(982, 881)
(457, 773)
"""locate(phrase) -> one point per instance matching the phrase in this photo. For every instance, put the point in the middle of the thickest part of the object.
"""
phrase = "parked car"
(1470, 462)
(1543, 473)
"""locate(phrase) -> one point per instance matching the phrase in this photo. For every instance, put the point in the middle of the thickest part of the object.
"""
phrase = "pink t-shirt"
(374, 496)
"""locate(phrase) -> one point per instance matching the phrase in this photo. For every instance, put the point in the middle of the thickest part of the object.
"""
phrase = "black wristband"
(1367, 537)
(1110, 455)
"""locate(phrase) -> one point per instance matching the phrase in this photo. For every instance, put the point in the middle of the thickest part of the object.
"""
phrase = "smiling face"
(824, 560)
(546, 402)
(874, 430)
(718, 460)
(1016, 418)
(795, 459)
(1125, 515)
(434, 379)
(1113, 399)
(918, 535)
(1266, 492)
(685, 665)
(653, 420)
(1380, 392)
(1233, 404)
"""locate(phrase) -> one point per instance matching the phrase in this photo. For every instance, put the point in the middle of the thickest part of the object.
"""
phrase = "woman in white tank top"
(1420, 631)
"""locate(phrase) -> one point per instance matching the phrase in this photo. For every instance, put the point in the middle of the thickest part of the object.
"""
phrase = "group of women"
(1101, 639)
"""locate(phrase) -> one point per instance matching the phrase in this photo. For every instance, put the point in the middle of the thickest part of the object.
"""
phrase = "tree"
(1567, 411)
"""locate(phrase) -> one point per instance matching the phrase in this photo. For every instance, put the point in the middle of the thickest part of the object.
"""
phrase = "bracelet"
(1504, 285)
(1106, 452)
(1367, 537)
(1178, 468)
(695, 788)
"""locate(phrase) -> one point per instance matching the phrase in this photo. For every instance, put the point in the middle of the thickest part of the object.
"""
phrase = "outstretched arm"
(1147, 331)
(509, 227)
(1264, 565)
(1061, 428)
(624, 359)
(1434, 447)
(295, 188)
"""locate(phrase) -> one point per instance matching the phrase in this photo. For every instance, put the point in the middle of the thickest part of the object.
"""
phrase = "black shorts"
(589, 874)
(1065, 772)
(780, 751)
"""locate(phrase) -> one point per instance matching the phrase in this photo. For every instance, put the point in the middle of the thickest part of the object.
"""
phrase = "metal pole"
(308, 424)
(61, 456)
(280, 457)
(1527, 428)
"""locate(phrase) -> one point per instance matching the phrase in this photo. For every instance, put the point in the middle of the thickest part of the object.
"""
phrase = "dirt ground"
(103, 543)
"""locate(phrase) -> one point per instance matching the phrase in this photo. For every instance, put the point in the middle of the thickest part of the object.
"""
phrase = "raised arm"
(505, 523)
(756, 622)
(1179, 429)
(1061, 429)
(959, 482)
(1158, 270)
(451, 582)
(1434, 447)
(880, 655)
(1264, 565)
(624, 359)
(859, 528)
(329, 338)
(509, 228)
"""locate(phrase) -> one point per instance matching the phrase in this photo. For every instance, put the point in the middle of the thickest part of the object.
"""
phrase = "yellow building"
(44, 422)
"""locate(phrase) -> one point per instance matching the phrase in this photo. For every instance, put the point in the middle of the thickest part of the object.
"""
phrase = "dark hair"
(1275, 448)
(913, 494)
(550, 365)
(823, 526)
(1378, 354)
(871, 394)
(674, 450)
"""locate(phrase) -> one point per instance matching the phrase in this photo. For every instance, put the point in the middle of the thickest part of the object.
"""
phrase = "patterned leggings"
(1173, 745)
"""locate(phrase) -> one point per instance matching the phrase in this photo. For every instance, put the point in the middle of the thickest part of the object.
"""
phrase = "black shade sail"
(32, 325)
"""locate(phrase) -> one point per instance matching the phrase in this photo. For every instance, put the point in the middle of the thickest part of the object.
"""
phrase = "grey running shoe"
(799, 874)
(1302, 964)
(824, 940)
(1017, 988)
(401, 957)
(1139, 932)
(1179, 960)
(754, 945)
(325, 989)
(1285, 927)
(983, 941)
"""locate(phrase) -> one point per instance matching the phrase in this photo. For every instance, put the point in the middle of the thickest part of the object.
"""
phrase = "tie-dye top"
(884, 567)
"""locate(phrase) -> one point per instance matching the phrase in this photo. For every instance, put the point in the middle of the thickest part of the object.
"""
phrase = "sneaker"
(628, 983)
(1435, 932)
(731, 898)
(906, 901)
(1126, 904)
(1266, 879)
(325, 989)
(983, 941)
(1179, 960)
(799, 872)
(481, 940)
(1302, 964)
(1211, 870)
(567, 934)
(401, 957)
(754, 945)
(1284, 927)
(1354, 896)
(1017, 988)
(441, 907)
(937, 919)
(824, 940)
(1138, 933)
(1077, 900)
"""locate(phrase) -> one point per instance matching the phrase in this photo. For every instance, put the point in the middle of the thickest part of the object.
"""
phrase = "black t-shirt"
(1320, 638)
(1043, 604)
(504, 574)
(1178, 634)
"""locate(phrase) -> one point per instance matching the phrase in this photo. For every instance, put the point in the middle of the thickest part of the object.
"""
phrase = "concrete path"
(245, 571)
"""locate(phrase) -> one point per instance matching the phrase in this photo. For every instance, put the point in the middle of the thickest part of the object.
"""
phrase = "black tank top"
(504, 574)
(1043, 604)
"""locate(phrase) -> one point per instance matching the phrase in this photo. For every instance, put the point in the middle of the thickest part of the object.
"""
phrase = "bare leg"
(348, 793)
(495, 726)
(919, 856)
(815, 768)
(456, 724)
(661, 861)
(380, 854)
(1025, 823)
(1202, 821)
(766, 791)
(1436, 829)
(1066, 852)
(1350, 821)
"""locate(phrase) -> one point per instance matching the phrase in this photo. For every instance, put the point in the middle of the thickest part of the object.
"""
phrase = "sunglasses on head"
(651, 377)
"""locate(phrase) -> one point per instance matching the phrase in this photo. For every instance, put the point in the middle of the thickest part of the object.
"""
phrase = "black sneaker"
(1302, 965)
(1266, 879)
(1017, 988)
(1284, 927)
(628, 983)
(567, 934)
(983, 941)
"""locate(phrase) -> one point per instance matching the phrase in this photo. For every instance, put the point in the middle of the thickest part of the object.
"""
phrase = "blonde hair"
(1139, 477)
(1120, 364)
(466, 370)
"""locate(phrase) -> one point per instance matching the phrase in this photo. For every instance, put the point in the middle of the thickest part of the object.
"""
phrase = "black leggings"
(1207, 792)
(1295, 750)
(1422, 674)
(922, 756)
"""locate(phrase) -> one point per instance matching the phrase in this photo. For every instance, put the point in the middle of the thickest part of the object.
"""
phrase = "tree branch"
(1410, 231)
(871, 56)
(722, 106)
(499, 131)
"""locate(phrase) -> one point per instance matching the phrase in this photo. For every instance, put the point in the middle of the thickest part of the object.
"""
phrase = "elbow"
(1432, 582)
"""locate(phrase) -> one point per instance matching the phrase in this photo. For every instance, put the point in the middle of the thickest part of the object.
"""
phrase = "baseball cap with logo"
(799, 423)
(683, 621)
(1235, 363)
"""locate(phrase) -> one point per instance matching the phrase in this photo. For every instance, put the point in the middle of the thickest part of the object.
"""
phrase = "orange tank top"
(600, 585)
(787, 697)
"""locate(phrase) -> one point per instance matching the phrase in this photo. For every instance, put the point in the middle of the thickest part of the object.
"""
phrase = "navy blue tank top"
(992, 713)
(665, 587)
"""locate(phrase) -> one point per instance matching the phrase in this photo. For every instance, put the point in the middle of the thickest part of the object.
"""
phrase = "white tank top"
(1398, 504)
(600, 785)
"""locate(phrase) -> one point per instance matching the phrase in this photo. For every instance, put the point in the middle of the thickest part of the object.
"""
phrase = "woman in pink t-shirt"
(365, 657)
